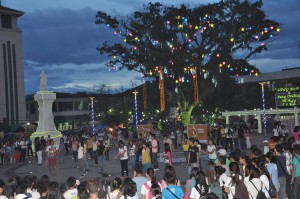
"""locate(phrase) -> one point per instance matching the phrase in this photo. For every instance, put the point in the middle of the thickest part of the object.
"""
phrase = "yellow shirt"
(145, 157)
(185, 147)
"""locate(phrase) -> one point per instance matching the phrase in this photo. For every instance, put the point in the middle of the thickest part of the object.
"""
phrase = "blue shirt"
(296, 162)
(272, 169)
(175, 190)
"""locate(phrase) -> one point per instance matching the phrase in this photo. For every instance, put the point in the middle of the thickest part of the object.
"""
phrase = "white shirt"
(275, 131)
(259, 186)
(125, 156)
(80, 152)
(70, 193)
(145, 191)
(212, 156)
(222, 179)
(132, 150)
(3, 197)
(134, 197)
(265, 180)
(226, 132)
(35, 194)
(95, 146)
(194, 193)
(231, 188)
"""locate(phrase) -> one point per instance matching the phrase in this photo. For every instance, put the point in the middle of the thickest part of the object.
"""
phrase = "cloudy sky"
(60, 36)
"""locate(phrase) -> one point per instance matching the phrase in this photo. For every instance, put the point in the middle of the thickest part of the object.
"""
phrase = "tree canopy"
(207, 40)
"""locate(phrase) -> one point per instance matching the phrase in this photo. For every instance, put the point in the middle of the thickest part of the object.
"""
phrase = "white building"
(12, 92)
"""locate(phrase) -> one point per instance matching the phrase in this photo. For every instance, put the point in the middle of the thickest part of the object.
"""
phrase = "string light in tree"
(93, 115)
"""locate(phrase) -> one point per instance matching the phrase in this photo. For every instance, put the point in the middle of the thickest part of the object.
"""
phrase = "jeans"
(31, 152)
(67, 147)
(95, 157)
(86, 163)
(186, 155)
(107, 153)
(192, 166)
(101, 163)
(282, 188)
(124, 167)
(132, 160)
(154, 160)
(23, 154)
(75, 156)
(296, 187)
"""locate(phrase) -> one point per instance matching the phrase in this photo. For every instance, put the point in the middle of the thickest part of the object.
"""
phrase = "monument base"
(55, 135)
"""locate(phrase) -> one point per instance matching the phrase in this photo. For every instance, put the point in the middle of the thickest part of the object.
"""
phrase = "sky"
(60, 37)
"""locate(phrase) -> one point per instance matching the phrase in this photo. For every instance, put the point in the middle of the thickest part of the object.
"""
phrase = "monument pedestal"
(46, 124)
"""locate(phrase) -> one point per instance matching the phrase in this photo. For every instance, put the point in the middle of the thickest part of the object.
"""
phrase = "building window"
(32, 108)
(65, 106)
(6, 21)
(81, 105)
(54, 107)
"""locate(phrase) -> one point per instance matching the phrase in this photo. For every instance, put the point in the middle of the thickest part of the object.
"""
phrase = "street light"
(264, 106)
(93, 114)
(136, 109)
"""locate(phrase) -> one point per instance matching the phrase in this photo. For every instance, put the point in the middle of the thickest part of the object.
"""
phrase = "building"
(72, 110)
(12, 92)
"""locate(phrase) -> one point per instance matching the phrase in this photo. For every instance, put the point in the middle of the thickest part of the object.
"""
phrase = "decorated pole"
(162, 91)
(136, 108)
(264, 106)
(145, 95)
(93, 115)
(195, 80)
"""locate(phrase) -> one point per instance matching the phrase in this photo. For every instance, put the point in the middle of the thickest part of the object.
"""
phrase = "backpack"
(187, 191)
(272, 189)
(149, 191)
(241, 191)
(260, 194)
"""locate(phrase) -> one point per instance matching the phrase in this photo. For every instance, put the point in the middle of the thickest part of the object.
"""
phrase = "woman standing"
(168, 154)
(247, 137)
(132, 150)
(52, 152)
(211, 149)
(272, 169)
(296, 134)
(100, 155)
(61, 149)
(75, 149)
(146, 188)
(123, 158)
(232, 181)
(107, 145)
(146, 160)
(38, 150)
(255, 185)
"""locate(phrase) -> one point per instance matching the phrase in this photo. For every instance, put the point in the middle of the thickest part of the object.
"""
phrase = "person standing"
(295, 181)
(229, 136)
(29, 147)
(138, 178)
(146, 158)
(38, 150)
(154, 147)
(107, 147)
(100, 155)
(123, 158)
(132, 151)
(168, 140)
(23, 149)
(81, 164)
(281, 168)
(296, 134)
(193, 157)
(52, 152)
(211, 149)
(75, 149)
(65, 137)
(95, 147)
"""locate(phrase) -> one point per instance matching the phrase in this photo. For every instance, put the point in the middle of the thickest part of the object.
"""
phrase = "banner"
(198, 131)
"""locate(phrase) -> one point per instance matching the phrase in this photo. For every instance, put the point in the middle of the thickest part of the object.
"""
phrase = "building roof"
(11, 11)
(263, 77)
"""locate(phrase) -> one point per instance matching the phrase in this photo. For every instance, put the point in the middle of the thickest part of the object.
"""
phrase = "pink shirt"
(169, 156)
(154, 144)
(296, 136)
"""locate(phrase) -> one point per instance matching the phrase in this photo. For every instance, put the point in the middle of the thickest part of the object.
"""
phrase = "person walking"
(146, 158)
(132, 151)
(123, 158)
(193, 157)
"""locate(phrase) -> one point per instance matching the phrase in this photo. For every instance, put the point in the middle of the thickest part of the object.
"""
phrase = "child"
(168, 154)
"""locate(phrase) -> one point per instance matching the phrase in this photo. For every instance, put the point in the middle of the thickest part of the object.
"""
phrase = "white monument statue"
(45, 99)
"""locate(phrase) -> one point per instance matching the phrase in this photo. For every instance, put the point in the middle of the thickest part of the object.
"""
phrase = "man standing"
(281, 168)
(23, 149)
(154, 147)
(193, 158)
(138, 178)
(229, 135)
(66, 143)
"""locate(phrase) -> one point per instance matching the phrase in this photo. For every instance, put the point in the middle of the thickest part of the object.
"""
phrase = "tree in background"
(192, 47)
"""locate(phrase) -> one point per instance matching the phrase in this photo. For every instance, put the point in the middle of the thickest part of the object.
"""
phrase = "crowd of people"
(270, 172)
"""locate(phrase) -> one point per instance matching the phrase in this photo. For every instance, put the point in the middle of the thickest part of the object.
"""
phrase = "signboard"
(287, 97)
(198, 131)
(142, 129)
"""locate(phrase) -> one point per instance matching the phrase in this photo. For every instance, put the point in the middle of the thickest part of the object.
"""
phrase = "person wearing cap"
(222, 153)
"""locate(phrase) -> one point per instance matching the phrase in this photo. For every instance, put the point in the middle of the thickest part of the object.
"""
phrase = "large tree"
(182, 43)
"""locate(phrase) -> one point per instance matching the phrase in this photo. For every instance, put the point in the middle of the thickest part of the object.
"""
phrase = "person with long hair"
(105, 182)
(123, 155)
(145, 190)
(201, 188)
(231, 182)
(100, 155)
(156, 191)
(255, 185)
(132, 151)
(168, 154)
(210, 173)
(191, 182)
(115, 188)
(296, 171)
(211, 149)
(38, 150)
(130, 190)
(146, 158)
(296, 134)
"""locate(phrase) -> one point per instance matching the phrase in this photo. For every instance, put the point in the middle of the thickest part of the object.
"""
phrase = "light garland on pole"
(264, 106)
(93, 115)
(136, 108)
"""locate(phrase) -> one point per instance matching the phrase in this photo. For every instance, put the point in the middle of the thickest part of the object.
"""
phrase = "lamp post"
(136, 109)
(264, 106)
(93, 115)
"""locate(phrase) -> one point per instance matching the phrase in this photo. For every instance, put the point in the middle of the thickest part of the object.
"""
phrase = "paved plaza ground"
(66, 167)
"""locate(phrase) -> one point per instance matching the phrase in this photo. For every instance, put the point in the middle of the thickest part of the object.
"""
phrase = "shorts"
(52, 162)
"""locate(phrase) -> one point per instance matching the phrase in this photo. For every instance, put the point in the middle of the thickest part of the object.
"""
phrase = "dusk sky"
(60, 36)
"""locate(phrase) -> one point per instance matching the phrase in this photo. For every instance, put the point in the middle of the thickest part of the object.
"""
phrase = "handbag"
(287, 176)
